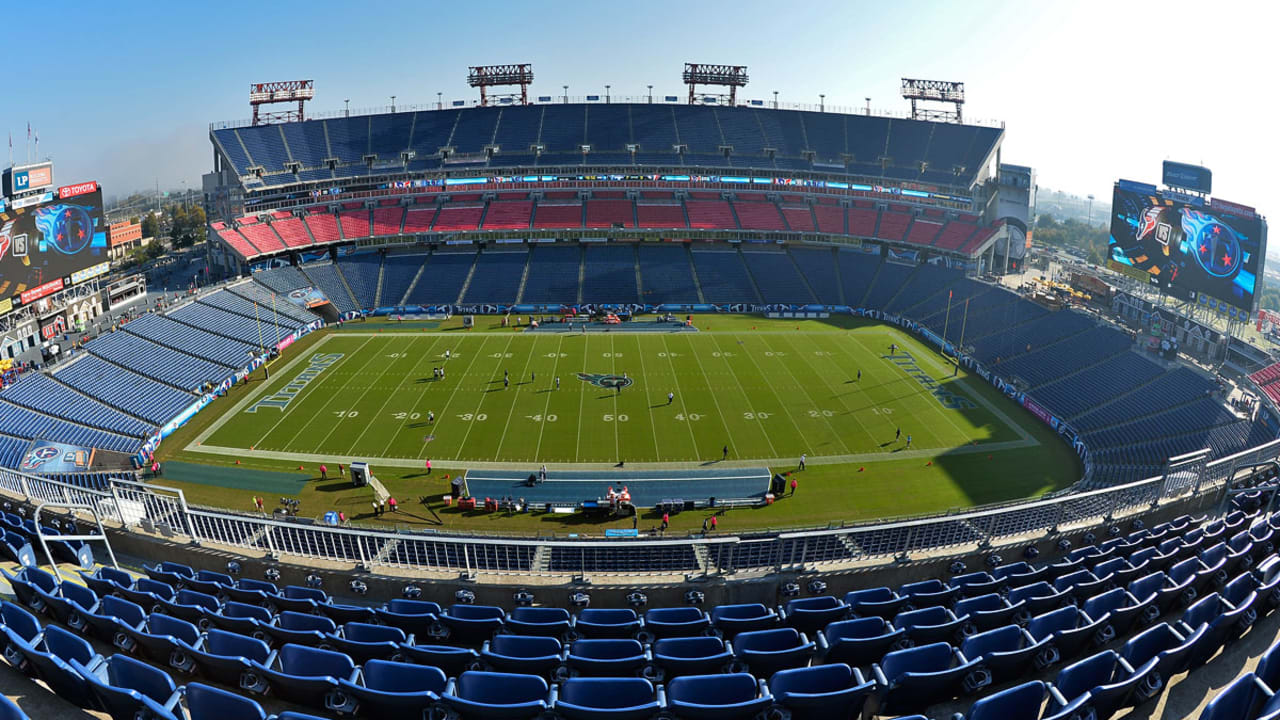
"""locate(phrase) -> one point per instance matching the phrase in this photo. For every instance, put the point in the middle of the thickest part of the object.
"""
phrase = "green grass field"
(768, 390)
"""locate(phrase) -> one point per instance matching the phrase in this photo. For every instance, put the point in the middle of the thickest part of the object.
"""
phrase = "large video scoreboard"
(50, 241)
(1205, 251)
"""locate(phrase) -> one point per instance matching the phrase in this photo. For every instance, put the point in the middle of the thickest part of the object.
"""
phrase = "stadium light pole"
(566, 94)
(822, 102)
(439, 100)
(606, 93)
(775, 99)
(868, 106)
(346, 107)
(393, 103)
(1090, 222)
(650, 94)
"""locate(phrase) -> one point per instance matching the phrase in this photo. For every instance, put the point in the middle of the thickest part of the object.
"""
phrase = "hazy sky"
(123, 92)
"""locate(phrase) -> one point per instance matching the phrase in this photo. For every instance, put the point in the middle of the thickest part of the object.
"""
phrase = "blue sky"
(1089, 91)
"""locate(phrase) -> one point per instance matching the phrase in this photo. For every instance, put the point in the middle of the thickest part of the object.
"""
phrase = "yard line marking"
(313, 388)
(444, 412)
(582, 397)
(462, 445)
(515, 397)
(653, 426)
(918, 392)
(746, 395)
(376, 385)
(537, 451)
(683, 410)
(720, 412)
(396, 391)
(833, 390)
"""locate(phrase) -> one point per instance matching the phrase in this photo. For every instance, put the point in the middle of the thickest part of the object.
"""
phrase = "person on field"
(794, 483)
(859, 376)
(897, 435)
(908, 441)
(557, 382)
(428, 466)
(506, 382)
(324, 473)
(802, 459)
(670, 397)
(724, 454)
(431, 417)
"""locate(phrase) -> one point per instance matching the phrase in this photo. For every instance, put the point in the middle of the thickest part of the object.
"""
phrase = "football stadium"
(695, 407)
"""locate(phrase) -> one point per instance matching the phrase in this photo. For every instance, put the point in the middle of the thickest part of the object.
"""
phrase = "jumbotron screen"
(47, 245)
(1187, 250)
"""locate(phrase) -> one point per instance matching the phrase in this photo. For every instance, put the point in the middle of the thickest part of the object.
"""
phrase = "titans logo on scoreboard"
(605, 381)
(66, 228)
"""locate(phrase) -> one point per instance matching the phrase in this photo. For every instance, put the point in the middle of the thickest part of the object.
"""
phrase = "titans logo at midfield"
(605, 381)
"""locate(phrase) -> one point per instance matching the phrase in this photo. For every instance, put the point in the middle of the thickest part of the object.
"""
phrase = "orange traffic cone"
(861, 469)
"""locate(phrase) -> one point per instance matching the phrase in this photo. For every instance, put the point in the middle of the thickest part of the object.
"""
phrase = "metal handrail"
(44, 539)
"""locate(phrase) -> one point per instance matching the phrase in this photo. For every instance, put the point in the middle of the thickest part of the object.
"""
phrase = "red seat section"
(862, 222)
(710, 214)
(893, 225)
(262, 237)
(508, 215)
(669, 215)
(355, 223)
(292, 231)
(977, 239)
(798, 218)
(608, 213)
(954, 235)
(237, 242)
(418, 220)
(558, 215)
(923, 232)
(453, 218)
(386, 221)
(323, 226)
(758, 215)
(830, 219)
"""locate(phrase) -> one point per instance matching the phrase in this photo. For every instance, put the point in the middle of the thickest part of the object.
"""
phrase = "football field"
(768, 391)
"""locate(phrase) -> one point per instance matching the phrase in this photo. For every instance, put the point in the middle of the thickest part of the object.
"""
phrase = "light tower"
(287, 91)
(487, 76)
(937, 91)
(730, 76)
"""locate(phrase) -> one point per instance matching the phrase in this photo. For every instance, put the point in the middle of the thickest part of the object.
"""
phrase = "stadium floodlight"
(487, 76)
(286, 91)
(939, 91)
(730, 76)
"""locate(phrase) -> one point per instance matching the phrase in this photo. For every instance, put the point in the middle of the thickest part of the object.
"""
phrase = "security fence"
(161, 510)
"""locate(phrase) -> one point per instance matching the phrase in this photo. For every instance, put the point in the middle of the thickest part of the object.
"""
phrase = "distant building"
(122, 237)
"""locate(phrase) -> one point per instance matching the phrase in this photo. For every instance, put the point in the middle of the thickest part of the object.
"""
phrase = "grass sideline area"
(769, 389)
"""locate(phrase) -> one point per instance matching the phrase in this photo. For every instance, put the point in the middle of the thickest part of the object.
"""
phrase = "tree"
(188, 225)
(150, 226)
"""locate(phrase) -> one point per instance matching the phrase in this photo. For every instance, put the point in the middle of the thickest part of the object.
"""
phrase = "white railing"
(164, 510)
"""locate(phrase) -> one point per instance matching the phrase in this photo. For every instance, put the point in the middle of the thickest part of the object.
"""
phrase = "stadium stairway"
(346, 285)
(694, 270)
(382, 270)
(755, 284)
(800, 273)
(524, 275)
(466, 284)
(412, 283)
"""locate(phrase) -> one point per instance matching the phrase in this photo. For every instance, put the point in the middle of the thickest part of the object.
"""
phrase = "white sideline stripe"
(690, 478)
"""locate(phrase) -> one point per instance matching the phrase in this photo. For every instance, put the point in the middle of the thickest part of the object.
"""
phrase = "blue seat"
(533, 654)
(25, 584)
(813, 613)
(163, 640)
(205, 702)
(1018, 574)
(192, 606)
(106, 580)
(690, 656)
(170, 573)
(148, 593)
(538, 621)
(1004, 653)
(414, 617)
(880, 602)
(928, 625)
(606, 698)
(765, 652)
(112, 616)
(9, 710)
(452, 660)
(1101, 684)
(343, 614)
(363, 641)
(976, 583)
(1217, 618)
(20, 629)
(224, 657)
(128, 688)
(1242, 593)
(858, 642)
(242, 618)
(249, 590)
(607, 623)
(1269, 666)
(733, 619)
(305, 675)
(298, 628)
(1179, 585)
(1069, 631)
(821, 692)
(385, 689)
(472, 623)
(1157, 654)
(1117, 609)
(209, 582)
(735, 696)
(1268, 574)
(606, 657)
(69, 604)
(51, 662)
(912, 679)
(298, 599)
(928, 593)
(1036, 599)
(983, 612)
(478, 695)
(1245, 699)
(1021, 702)
(676, 622)
(1116, 572)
